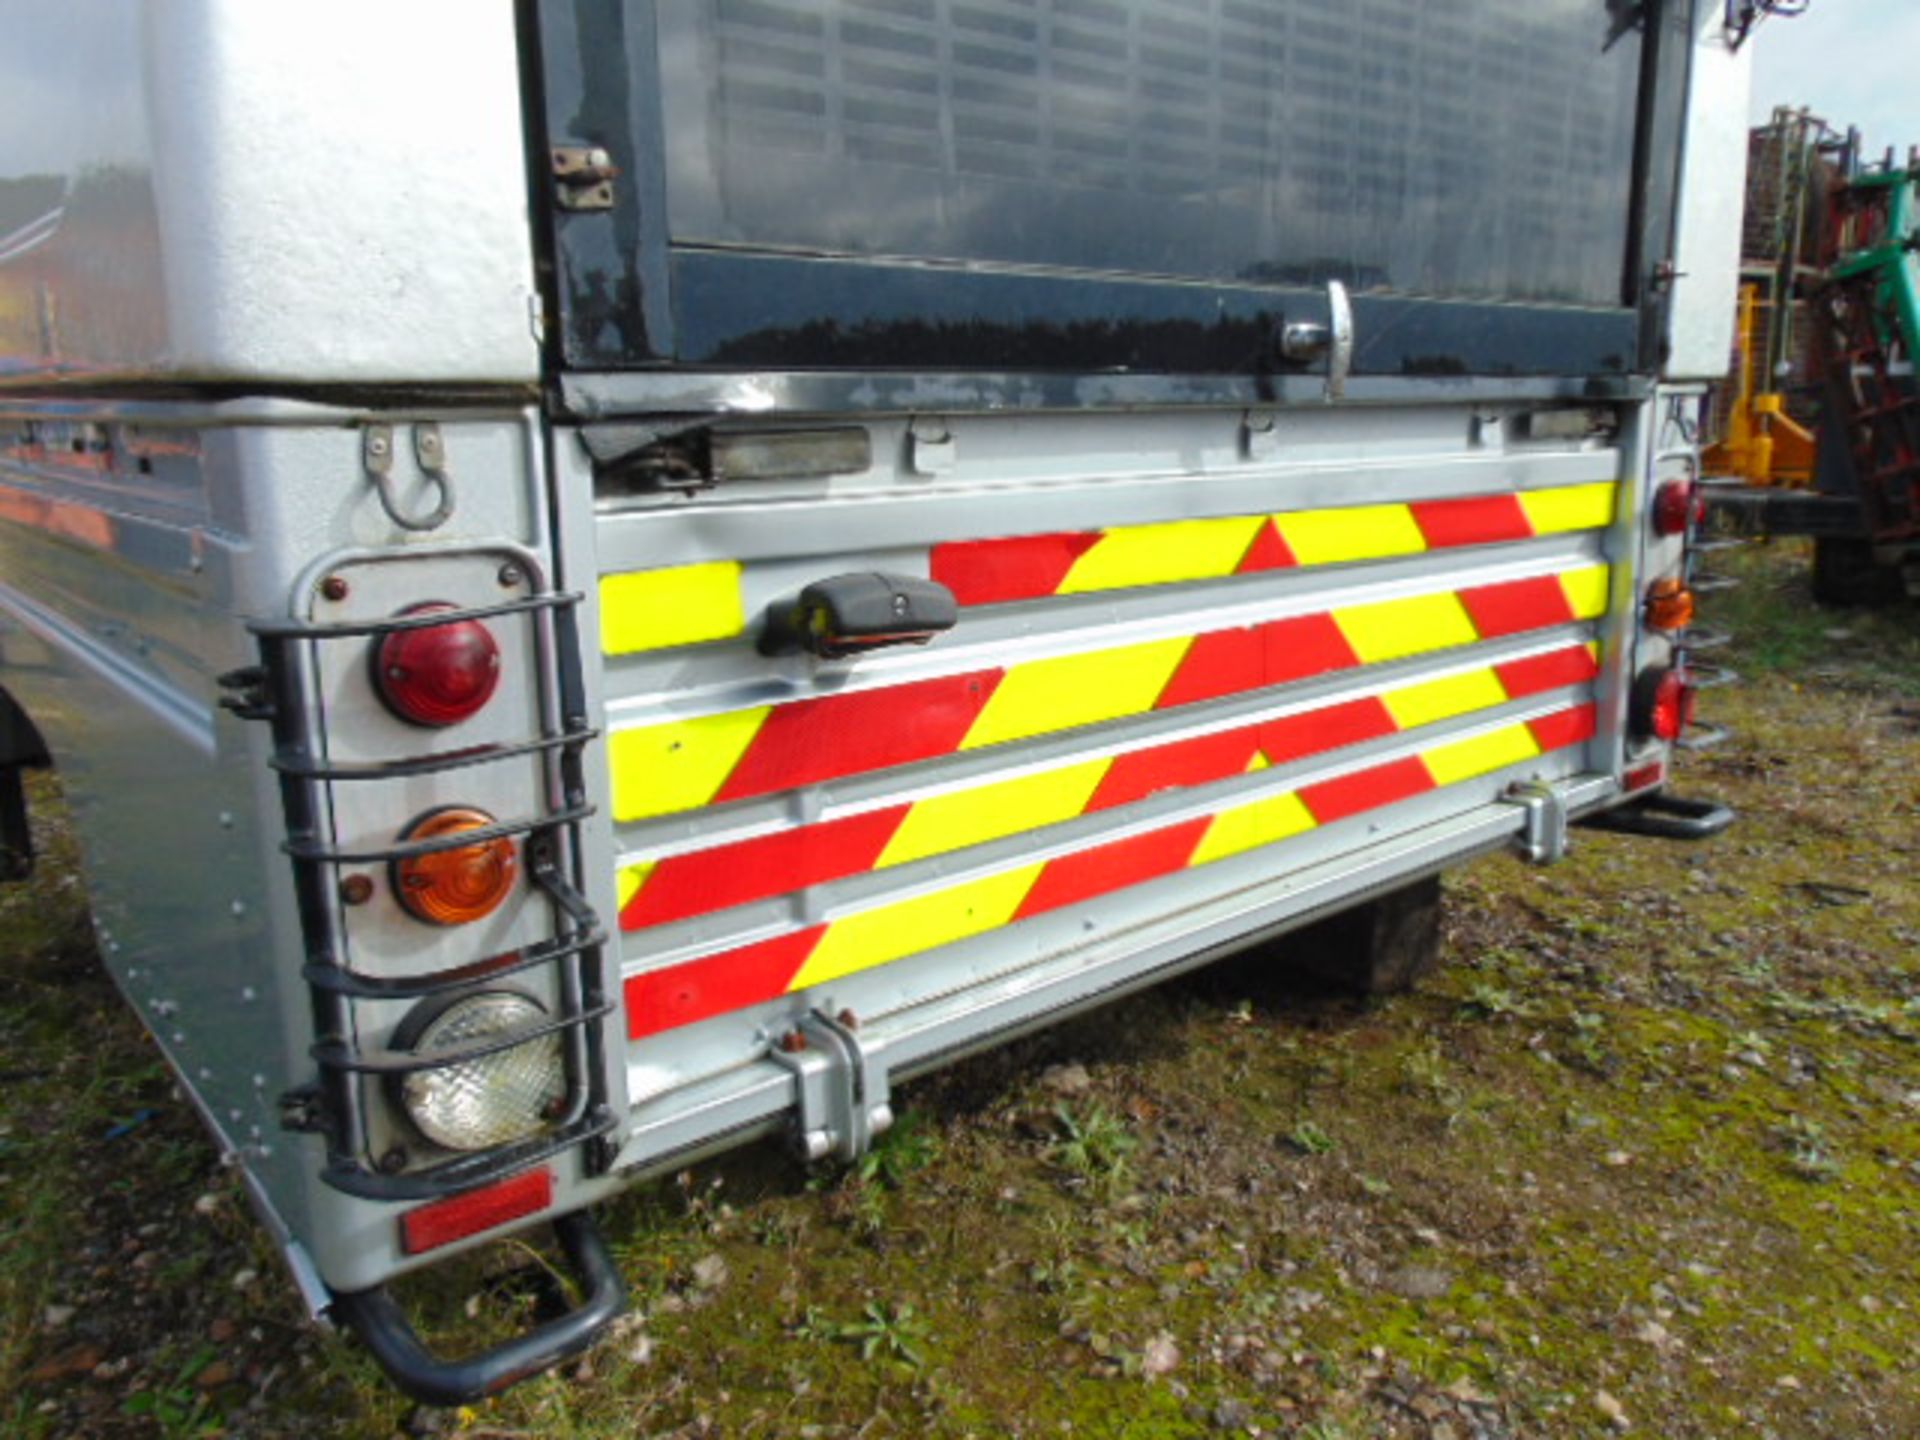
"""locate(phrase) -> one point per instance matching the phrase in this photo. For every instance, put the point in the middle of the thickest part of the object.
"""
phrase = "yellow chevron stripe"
(1450, 695)
(1570, 507)
(989, 812)
(631, 879)
(1391, 629)
(1132, 555)
(660, 769)
(1360, 532)
(1247, 827)
(1586, 590)
(684, 605)
(1480, 754)
(1067, 691)
(887, 933)
(874, 937)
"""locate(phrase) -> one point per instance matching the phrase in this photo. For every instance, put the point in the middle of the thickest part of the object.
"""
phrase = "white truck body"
(1237, 646)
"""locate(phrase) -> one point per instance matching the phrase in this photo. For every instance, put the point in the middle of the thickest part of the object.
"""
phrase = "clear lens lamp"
(494, 1099)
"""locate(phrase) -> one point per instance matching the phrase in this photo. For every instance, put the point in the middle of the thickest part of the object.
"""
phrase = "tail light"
(1669, 605)
(1662, 705)
(437, 675)
(458, 885)
(1677, 504)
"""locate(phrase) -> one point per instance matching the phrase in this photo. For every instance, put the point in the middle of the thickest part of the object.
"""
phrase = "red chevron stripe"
(808, 741)
(1516, 606)
(1477, 520)
(1333, 800)
(681, 994)
(1269, 551)
(705, 880)
(661, 999)
(1568, 727)
(1106, 868)
(988, 572)
(1572, 665)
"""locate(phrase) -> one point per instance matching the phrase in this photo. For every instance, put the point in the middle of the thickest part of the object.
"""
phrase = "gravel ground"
(1643, 1157)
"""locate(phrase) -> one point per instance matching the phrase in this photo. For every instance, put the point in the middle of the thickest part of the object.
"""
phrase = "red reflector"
(1673, 507)
(1643, 777)
(458, 1216)
(437, 675)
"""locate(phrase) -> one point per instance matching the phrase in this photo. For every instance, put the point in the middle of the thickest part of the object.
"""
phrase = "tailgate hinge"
(583, 177)
(841, 1086)
(1543, 840)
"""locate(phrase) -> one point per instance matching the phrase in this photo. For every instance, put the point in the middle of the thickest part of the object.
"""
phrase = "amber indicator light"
(457, 885)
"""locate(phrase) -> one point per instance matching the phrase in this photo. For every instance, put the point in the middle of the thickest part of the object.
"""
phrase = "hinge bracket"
(1543, 840)
(841, 1086)
(583, 177)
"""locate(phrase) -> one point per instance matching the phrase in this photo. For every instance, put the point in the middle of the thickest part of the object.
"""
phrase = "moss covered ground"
(1642, 1157)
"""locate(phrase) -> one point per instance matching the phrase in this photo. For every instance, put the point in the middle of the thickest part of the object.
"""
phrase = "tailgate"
(1197, 653)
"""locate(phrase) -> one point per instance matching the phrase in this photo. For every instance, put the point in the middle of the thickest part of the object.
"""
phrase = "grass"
(1652, 1131)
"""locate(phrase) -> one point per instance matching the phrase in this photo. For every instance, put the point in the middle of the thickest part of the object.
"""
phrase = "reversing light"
(1662, 705)
(457, 885)
(494, 1098)
(437, 675)
(1669, 605)
(1676, 504)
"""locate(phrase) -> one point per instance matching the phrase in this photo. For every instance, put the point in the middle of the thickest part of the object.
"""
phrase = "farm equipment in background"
(1836, 456)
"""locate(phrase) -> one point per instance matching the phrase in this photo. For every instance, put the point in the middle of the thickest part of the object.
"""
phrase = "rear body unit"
(629, 587)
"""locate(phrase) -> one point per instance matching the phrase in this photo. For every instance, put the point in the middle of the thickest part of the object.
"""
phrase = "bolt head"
(510, 575)
(793, 1042)
(356, 889)
(394, 1161)
(333, 588)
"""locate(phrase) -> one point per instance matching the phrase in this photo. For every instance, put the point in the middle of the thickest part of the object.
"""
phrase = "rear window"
(1472, 148)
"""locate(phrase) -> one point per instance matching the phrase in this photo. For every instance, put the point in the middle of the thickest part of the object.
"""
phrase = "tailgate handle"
(851, 614)
(1302, 341)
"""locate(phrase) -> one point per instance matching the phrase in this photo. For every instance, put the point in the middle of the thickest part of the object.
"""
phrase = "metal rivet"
(793, 1042)
(510, 575)
(394, 1161)
(356, 889)
(848, 1019)
(333, 588)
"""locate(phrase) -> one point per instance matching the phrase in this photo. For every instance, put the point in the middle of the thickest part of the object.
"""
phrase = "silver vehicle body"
(241, 243)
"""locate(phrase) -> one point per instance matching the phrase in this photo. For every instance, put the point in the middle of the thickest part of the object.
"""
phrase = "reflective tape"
(684, 765)
(661, 999)
(682, 605)
(697, 882)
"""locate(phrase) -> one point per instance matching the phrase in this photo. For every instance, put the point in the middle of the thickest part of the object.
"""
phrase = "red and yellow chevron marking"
(1026, 567)
(645, 610)
(683, 765)
(697, 882)
(681, 994)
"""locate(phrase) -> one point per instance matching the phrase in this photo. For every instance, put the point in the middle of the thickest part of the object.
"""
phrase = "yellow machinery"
(1760, 443)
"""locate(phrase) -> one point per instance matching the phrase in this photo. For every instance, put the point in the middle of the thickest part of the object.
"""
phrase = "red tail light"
(1662, 704)
(437, 675)
(1675, 504)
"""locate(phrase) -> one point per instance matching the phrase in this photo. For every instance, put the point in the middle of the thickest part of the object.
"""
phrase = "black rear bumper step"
(1665, 817)
(376, 1317)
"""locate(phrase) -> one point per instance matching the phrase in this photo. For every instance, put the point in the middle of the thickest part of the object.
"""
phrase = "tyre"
(1846, 573)
(1380, 947)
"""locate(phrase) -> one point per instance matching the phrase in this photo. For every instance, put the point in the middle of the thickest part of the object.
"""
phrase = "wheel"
(1380, 947)
(1846, 573)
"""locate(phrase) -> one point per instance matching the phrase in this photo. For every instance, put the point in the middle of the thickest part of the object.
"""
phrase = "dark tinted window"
(1442, 147)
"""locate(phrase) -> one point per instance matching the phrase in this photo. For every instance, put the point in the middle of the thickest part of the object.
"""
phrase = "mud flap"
(376, 1317)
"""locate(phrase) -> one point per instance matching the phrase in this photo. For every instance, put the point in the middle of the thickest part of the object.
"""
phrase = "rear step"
(376, 1317)
(1665, 817)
